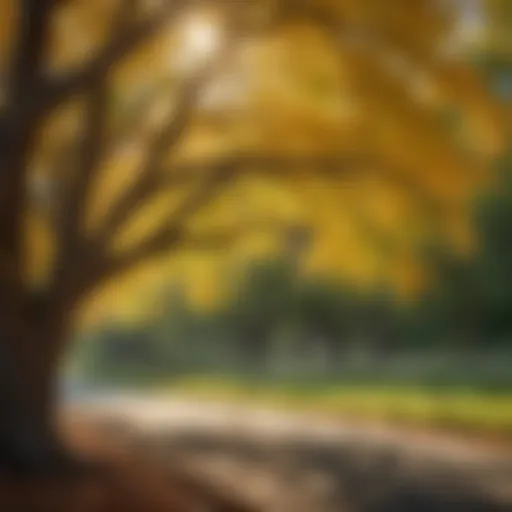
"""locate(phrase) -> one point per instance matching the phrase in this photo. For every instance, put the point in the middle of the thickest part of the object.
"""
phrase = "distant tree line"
(275, 312)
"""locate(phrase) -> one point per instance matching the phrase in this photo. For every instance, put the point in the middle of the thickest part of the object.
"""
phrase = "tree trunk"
(30, 350)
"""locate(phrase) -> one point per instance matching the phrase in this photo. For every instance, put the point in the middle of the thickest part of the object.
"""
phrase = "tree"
(100, 166)
(260, 305)
(325, 310)
(469, 301)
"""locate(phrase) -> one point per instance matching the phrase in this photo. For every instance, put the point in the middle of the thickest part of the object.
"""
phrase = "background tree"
(259, 307)
(325, 312)
(469, 299)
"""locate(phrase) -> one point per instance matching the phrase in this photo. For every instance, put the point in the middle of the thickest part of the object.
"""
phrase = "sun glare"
(200, 40)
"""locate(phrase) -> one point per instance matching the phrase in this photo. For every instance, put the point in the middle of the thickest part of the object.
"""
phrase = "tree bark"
(30, 349)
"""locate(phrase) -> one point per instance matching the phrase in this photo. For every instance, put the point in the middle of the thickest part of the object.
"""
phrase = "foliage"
(190, 127)
(164, 121)
(472, 298)
(467, 307)
(135, 130)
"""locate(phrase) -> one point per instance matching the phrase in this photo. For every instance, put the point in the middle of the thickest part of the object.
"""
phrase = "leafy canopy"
(185, 125)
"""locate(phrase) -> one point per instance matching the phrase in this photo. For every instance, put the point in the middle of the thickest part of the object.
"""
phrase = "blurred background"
(360, 264)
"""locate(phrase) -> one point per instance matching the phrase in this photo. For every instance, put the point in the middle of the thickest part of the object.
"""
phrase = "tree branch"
(171, 132)
(96, 265)
(55, 91)
(146, 181)
(173, 230)
(25, 73)
(29, 50)
(218, 175)
(17, 138)
(214, 175)
(268, 164)
(70, 228)
(71, 215)
(189, 173)
(220, 239)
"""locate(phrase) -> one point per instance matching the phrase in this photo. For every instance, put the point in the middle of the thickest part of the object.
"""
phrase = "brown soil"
(125, 484)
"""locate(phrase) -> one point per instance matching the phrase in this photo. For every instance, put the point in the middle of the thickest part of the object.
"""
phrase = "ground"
(284, 462)
(127, 483)
(178, 455)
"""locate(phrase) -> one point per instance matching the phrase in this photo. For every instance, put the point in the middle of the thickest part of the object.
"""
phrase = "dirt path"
(298, 463)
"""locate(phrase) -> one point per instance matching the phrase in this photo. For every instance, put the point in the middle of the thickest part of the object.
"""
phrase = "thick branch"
(24, 77)
(190, 173)
(279, 166)
(28, 55)
(55, 91)
(292, 166)
(70, 227)
(169, 135)
(173, 230)
(268, 164)
(120, 45)
(224, 238)
(218, 175)
(17, 139)
(146, 181)
(96, 264)
(71, 215)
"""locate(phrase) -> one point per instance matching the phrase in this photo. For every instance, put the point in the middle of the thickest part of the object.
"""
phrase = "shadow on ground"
(347, 477)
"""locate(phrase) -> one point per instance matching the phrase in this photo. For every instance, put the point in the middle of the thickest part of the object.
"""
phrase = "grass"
(476, 411)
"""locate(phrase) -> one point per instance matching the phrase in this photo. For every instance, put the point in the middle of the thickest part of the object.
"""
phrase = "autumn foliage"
(132, 129)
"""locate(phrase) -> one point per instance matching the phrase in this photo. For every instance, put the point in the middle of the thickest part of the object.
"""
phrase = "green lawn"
(461, 409)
